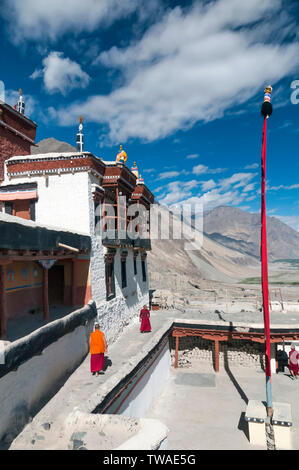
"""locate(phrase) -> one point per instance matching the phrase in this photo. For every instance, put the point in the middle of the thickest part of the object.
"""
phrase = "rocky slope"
(240, 230)
(52, 145)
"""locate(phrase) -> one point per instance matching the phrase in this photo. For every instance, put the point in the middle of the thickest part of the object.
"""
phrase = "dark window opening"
(135, 266)
(143, 271)
(123, 273)
(32, 210)
(8, 208)
(110, 284)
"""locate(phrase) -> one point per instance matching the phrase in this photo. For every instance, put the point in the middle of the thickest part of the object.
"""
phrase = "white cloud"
(192, 156)
(191, 66)
(179, 192)
(44, 19)
(249, 187)
(207, 185)
(241, 179)
(168, 175)
(202, 169)
(61, 74)
(251, 167)
(282, 186)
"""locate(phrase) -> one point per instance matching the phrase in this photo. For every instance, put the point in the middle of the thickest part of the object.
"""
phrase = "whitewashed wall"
(150, 386)
(62, 200)
(22, 391)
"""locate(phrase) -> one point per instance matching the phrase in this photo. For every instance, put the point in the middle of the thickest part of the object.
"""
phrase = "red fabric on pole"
(264, 257)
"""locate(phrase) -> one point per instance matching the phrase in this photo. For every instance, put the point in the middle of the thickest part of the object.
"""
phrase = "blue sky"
(178, 83)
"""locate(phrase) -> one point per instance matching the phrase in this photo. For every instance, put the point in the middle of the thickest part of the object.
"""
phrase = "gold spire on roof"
(121, 156)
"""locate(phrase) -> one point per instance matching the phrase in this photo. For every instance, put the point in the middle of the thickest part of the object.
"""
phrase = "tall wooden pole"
(265, 286)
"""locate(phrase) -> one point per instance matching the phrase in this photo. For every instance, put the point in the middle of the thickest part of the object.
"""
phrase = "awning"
(17, 195)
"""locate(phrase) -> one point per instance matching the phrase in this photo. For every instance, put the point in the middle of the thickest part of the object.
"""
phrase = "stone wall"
(236, 352)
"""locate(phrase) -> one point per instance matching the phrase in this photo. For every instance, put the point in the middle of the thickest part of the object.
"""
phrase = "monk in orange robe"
(98, 347)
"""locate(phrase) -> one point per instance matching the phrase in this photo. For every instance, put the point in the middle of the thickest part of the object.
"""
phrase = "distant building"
(81, 195)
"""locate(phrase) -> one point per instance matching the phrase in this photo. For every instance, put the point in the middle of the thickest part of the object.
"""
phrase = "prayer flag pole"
(266, 111)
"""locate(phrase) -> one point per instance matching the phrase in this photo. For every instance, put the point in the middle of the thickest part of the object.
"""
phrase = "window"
(135, 265)
(143, 271)
(110, 284)
(123, 258)
(19, 199)
(123, 273)
(109, 274)
(97, 218)
(21, 208)
(8, 208)
(32, 210)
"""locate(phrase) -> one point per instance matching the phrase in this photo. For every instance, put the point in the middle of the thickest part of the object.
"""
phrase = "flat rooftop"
(222, 395)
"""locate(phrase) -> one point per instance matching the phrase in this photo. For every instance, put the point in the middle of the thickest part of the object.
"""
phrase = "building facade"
(79, 193)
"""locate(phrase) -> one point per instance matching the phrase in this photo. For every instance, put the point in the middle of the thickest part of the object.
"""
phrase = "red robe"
(145, 322)
(293, 361)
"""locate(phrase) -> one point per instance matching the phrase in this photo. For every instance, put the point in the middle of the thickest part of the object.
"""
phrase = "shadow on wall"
(134, 287)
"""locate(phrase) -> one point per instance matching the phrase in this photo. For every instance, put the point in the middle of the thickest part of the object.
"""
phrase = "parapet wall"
(36, 366)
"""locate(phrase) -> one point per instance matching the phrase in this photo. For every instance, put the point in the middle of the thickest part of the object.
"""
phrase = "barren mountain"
(52, 145)
(240, 230)
(229, 250)
(171, 265)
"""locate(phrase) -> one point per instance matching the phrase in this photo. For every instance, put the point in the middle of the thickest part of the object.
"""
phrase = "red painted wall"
(11, 145)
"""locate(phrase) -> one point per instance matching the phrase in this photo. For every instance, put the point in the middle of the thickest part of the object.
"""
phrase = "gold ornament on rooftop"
(121, 156)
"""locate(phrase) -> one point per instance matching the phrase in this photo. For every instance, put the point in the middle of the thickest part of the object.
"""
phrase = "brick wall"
(11, 145)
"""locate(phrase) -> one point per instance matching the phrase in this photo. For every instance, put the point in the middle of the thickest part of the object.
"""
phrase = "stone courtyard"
(202, 409)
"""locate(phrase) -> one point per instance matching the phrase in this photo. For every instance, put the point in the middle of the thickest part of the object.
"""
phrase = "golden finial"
(20, 91)
(81, 119)
(121, 156)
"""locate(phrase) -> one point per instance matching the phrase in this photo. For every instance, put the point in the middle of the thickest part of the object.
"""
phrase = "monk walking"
(293, 361)
(98, 347)
(145, 320)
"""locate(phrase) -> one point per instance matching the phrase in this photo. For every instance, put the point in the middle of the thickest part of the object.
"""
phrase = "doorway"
(56, 285)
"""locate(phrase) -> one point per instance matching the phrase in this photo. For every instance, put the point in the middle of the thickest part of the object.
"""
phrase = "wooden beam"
(176, 361)
(74, 268)
(37, 257)
(67, 247)
(3, 303)
(216, 343)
